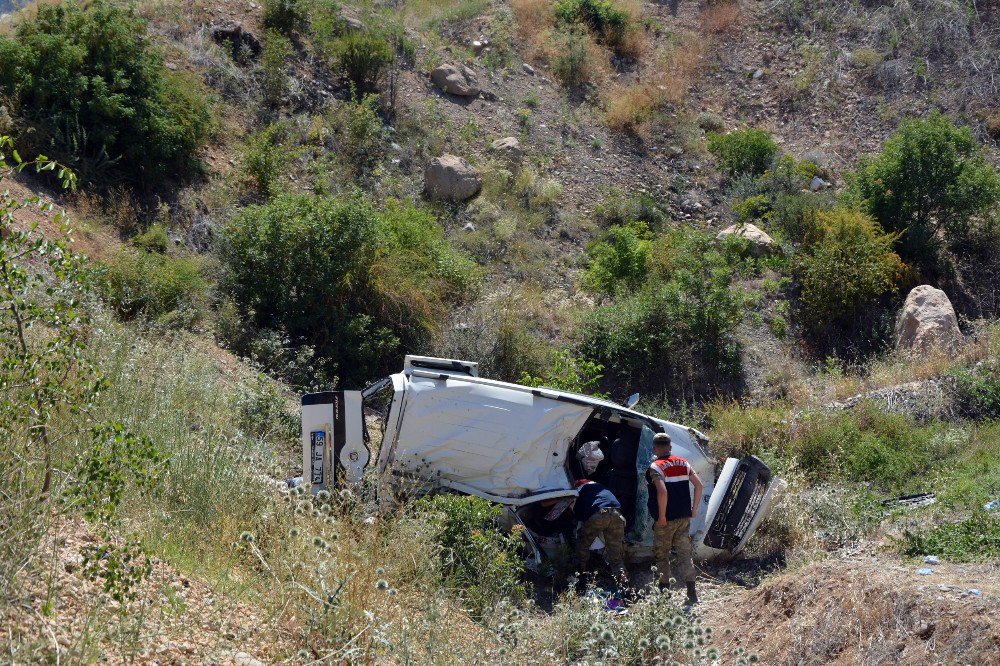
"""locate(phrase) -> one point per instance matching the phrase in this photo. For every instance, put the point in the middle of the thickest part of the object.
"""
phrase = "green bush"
(285, 16)
(887, 451)
(749, 151)
(568, 373)
(364, 57)
(621, 208)
(845, 270)
(977, 390)
(929, 183)
(358, 286)
(975, 539)
(677, 333)
(274, 61)
(155, 287)
(599, 16)
(572, 63)
(93, 88)
(481, 561)
(619, 259)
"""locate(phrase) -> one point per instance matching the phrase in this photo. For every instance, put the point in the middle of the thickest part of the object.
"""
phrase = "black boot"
(692, 595)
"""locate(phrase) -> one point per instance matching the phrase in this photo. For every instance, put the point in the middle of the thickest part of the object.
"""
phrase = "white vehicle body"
(447, 428)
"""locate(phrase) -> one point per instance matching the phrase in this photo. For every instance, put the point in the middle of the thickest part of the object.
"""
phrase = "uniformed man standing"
(670, 478)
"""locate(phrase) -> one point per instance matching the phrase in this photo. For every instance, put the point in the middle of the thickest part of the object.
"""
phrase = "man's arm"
(698, 488)
(661, 500)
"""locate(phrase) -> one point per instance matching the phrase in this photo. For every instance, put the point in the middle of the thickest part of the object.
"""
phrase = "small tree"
(619, 259)
(741, 152)
(928, 185)
(92, 85)
(363, 57)
(849, 266)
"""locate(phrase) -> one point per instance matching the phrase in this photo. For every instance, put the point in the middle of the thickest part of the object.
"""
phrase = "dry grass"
(633, 108)
(721, 17)
(864, 612)
(533, 18)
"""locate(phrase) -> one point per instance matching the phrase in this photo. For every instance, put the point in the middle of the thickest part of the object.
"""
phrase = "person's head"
(661, 444)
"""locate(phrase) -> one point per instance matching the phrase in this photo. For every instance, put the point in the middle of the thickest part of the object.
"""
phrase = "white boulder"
(760, 243)
(927, 322)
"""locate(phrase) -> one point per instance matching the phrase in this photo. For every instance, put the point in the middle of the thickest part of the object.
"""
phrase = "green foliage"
(285, 16)
(482, 562)
(887, 451)
(116, 460)
(975, 539)
(977, 390)
(156, 287)
(930, 181)
(336, 275)
(677, 333)
(274, 60)
(357, 131)
(120, 566)
(845, 270)
(622, 208)
(749, 151)
(599, 16)
(569, 373)
(619, 259)
(93, 88)
(364, 57)
(264, 157)
(571, 65)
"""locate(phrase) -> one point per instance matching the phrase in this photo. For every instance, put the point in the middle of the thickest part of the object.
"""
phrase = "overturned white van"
(444, 427)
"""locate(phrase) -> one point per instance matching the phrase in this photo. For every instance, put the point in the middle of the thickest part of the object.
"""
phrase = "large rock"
(760, 243)
(455, 79)
(927, 322)
(509, 148)
(452, 178)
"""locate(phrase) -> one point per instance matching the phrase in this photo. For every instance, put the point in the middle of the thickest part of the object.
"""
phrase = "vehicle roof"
(545, 392)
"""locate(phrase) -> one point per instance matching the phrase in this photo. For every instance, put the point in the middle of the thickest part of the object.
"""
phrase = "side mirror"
(632, 399)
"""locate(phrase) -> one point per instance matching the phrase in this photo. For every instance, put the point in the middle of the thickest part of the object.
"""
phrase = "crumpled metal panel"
(498, 440)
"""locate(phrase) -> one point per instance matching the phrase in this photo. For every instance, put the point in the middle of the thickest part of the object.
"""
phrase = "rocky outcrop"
(456, 80)
(927, 322)
(451, 178)
(760, 243)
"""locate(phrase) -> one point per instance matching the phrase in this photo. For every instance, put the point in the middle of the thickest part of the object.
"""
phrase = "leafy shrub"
(93, 87)
(599, 16)
(888, 451)
(621, 208)
(263, 159)
(977, 390)
(847, 268)
(484, 563)
(363, 57)
(285, 16)
(155, 287)
(930, 182)
(274, 59)
(568, 373)
(619, 259)
(573, 65)
(739, 152)
(336, 275)
(975, 539)
(677, 333)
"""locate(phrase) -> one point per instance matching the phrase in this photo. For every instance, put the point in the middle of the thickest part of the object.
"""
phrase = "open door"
(334, 448)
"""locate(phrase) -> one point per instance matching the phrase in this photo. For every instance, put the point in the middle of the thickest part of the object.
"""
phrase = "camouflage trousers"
(609, 525)
(674, 535)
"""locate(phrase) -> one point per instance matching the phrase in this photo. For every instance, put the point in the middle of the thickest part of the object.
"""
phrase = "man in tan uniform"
(670, 478)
